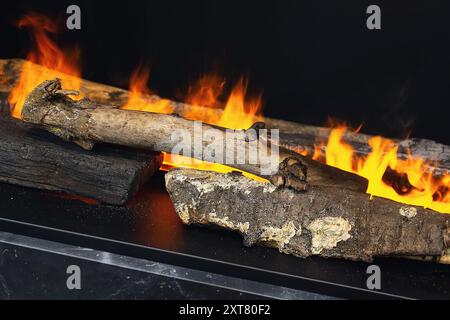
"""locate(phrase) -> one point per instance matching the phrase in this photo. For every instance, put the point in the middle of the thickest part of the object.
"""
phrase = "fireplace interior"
(309, 69)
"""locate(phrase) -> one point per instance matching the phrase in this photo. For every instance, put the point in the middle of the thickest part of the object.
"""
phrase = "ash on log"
(34, 158)
(325, 221)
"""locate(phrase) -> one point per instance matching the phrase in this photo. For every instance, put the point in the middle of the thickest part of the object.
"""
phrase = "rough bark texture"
(87, 123)
(325, 221)
(34, 158)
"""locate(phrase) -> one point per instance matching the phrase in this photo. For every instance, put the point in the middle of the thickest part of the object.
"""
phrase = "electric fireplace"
(202, 192)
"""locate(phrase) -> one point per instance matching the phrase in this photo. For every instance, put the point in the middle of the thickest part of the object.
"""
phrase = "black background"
(310, 58)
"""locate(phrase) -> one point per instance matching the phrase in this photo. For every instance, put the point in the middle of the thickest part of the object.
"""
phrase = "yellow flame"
(421, 188)
(139, 94)
(45, 61)
(238, 112)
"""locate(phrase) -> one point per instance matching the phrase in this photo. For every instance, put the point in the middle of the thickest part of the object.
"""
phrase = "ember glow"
(46, 61)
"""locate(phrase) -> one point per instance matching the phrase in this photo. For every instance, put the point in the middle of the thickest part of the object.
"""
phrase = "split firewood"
(326, 221)
(86, 123)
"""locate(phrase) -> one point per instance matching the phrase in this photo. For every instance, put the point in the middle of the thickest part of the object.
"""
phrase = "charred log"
(37, 159)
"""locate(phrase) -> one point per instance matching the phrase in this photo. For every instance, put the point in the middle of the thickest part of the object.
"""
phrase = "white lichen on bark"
(226, 223)
(183, 212)
(408, 212)
(327, 232)
(280, 236)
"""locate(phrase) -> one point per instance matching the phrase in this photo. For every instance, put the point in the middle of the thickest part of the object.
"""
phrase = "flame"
(206, 91)
(57, 63)
(402, 180)
(139, 94)
(239, 112)
(203, 97)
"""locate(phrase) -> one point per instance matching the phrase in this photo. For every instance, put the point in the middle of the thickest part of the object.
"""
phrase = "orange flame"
(238, 112)
(402, 180)
(57, 63)
(206, 91)
(139, 98)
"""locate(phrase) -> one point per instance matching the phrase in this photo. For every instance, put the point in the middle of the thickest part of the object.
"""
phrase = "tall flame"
(402, 180)
(238, 112)
(206, 91)
(139, 94)
(57, 63)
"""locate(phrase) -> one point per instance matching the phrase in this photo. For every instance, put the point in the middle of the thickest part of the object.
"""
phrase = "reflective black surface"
(149, 228)
(32, 274)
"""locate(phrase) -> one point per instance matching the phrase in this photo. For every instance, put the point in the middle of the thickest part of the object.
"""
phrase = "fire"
(203, 97)
(139, 98)
(206, 91)
(402, 180)
(45, 61)
(239, 112)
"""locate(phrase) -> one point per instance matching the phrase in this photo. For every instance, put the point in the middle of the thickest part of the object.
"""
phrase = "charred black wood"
(35, 158)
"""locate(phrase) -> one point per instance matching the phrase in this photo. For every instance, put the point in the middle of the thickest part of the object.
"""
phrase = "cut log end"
(325, 221)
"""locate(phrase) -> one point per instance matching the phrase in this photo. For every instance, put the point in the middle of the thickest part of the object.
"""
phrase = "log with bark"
(347, 223)
(86, 123)
(333, 217)
(35, 158)
(325, 221)
(293, 136)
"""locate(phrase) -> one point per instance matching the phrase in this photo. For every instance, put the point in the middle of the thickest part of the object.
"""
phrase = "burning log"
(293, 136)
(326, 221)
(87, 123)
(34, 158)
(335, 220)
